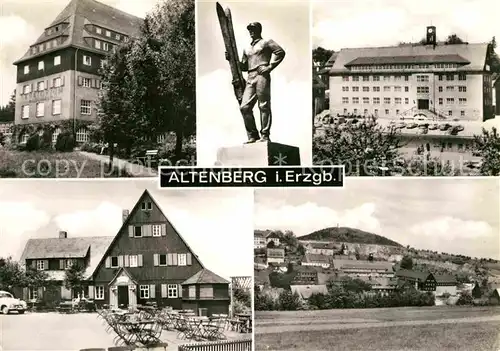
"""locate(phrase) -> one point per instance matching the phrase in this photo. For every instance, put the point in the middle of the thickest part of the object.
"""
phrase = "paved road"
(135, 170)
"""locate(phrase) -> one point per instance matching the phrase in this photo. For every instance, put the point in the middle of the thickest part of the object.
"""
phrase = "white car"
(9, 303)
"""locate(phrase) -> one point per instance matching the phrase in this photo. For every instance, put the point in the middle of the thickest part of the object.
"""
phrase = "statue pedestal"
(260, 154)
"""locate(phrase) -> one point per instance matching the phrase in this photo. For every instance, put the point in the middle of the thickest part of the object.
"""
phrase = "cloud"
(14, 29)
(104, 220)
(450, 228)
(305, 218)
(17, 221)
(134, 7)
(219, 122)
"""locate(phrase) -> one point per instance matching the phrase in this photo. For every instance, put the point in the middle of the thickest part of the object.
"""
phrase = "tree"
(363, 146)
(74, 278)
(370, 257)
(7, 112)
(321, 55)
(271, 245)
(492, 57)
(13, 274)
(488, 146)
(301, 250)
(289, 301)
(453, 39)
(406, 263)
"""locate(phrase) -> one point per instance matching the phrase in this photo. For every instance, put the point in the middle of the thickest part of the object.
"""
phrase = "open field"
(39, 164)
(409, 328)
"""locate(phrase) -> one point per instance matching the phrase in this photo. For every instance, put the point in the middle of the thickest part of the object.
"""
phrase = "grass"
(466, 336)
(44, 164)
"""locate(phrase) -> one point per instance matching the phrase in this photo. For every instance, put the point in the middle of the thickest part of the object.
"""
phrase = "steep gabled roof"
(125, 272)
(205, 276)
(474, 54)
(79, 13)
(406, 273)
(446, 279)
(126, 222)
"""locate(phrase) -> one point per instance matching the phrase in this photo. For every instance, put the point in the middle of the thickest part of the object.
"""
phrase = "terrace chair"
(184, 328)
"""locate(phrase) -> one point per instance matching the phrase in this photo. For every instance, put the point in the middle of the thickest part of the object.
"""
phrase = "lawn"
(456, 337)
(42, 164)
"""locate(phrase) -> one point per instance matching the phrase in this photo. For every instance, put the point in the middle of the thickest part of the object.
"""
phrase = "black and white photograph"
(96, 89)
(406, 88)
(123, 264)
(253, 83)
(381, 264)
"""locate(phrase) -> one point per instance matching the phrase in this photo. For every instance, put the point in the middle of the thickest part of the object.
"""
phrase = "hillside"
(348, 235)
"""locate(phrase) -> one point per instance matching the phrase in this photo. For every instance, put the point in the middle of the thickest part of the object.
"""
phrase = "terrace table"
(143, 331)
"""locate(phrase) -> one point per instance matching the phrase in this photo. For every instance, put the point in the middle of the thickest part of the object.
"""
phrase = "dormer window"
(147, 206)
(137, 232)
(105, 46)
(26, 69)
(118, 37)
(97, 44)
(98, 30)
(49, 31)
(108, 33)
(40, 65)
(87, 61)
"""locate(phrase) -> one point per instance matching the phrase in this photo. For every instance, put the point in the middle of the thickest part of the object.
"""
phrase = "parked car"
(411, 125)
(9, 303)
(444, 127)
(433, 126)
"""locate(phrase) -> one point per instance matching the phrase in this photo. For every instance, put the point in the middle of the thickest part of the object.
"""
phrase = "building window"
(440, 101)
(82, 135)
(450, 77)
(26, 111)
(355, 111)
(450, 89)
(105, 46)
(86, 107)
(40, 109)
(69, 263)
(355, 79)
(144, 291)
(172, 291)
(99, 292)
(108, 33)
(103, 63)
(156, 228)
(397, 89)
(366, 78)
(450, 113)
(462, 76)
(57, 60)
(462, 101)
(181, 259)
(345, 88)
(162, 260)
(387, 88)
(40, 265)
(355, 100)
(376, 112)
(147, 206)
(366, 89)
(192, 292)
(97, 44)
(421, 78)
(98, 30)
(422, 90)
(114, 262)
(137, 231)
(397, 112)
(40, 86)
(57, 82)
(366, 100)
(462, 113)
(386, 111)
(355, 89)
(440, 89)
(55, 135)
(33, 293)
(118, 37)
(40, 65)
(26, 69)
(87, 60)
(345, 111)
(376, 89)
(206, 292)
(450, 101)
(56, 107)
(345, 78)
(376, 100)
(27, 89)
(440, 77)
(387, 100)
(376, 78)
(407, 101)
(462, 89)
(160, 139)
(132, 260)
(397, 100)
(86, 82)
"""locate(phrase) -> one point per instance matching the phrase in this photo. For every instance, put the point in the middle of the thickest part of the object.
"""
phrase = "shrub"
(2, 139)
(46, 140)
(33, 143)
(65, 142)
(7, 173)
(465, 299)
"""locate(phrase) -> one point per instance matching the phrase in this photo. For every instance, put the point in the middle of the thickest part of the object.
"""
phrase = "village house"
(275, 255)
(316, 260)
(305, 291)
(259, 240)
(320, 248)
(426, 281)
(147, 261)
(305, 275)
(275, 238)
(360, 268)
(495, 297)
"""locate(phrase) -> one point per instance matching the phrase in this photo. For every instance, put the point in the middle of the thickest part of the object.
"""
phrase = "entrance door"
(123, 296)
(423, 104)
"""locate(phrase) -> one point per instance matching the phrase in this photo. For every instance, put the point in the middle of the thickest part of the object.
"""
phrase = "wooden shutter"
(98, 84)
(146, 229)
(92, 83)
(179, 290)
(174, 260)
(152, 291)
(164, 290)
(169, 259)
(163, 229)
(126, 261)
(46, 264)
(108, 262)
(61, 264)
(139, 260)
(80, 80)
(91, 292)
(156, 260)
(188, 259)
(47, 83)
(40, 293)
(120, 261)
(131, 231)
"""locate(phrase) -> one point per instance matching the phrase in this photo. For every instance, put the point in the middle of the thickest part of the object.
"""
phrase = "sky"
(216, 223)
(23, 21)
(219, 122)
(454, 215)
(361, 23)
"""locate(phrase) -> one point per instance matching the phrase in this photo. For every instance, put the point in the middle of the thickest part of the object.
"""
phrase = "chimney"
(63, 235)
(431, 35)
(125, 214)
